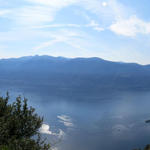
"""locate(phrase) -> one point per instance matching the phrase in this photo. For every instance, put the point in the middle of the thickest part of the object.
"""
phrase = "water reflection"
(102, 122)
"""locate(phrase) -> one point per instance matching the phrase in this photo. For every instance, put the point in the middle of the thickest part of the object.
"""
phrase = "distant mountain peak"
(61, 58)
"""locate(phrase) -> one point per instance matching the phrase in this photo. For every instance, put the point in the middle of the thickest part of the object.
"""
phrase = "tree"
(19, 126)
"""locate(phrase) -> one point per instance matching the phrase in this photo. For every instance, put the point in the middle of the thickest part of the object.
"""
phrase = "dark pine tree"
(19, 126)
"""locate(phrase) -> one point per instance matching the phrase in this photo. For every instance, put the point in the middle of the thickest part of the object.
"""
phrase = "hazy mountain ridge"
(79, 73)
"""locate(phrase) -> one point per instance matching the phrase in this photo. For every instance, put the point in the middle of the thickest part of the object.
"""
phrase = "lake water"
(113, 121)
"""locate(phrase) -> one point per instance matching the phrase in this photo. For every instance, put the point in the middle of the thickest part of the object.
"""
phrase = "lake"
(107, 121)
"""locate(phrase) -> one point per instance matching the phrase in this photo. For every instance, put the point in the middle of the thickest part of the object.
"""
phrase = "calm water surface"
(115, 121)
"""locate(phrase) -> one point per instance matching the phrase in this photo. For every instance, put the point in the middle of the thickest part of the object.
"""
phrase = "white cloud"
(130, 27)
(66, 120)
(66, 36)
(92, 24)
(45, 129)
(47, 44)
(55, 148)
(61, 134)
(38, 13)
(41, 12)
(67, 124)
(35, 12)
(95, 26)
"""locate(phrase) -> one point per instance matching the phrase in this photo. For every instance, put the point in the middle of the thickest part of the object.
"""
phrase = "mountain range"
(73, 74)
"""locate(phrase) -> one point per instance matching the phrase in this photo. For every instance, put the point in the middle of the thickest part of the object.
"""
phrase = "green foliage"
(19, 126)
(146, 148)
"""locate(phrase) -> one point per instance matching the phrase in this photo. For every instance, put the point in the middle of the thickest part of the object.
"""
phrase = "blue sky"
(117, 30)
